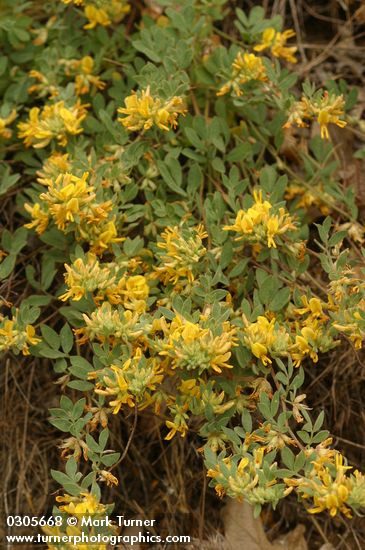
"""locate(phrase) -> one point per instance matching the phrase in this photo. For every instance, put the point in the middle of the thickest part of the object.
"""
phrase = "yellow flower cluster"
(110, 325)
(191, 346)
(266, 338)
(82, 506)
(102, 12)
(245, 67)
(105, 12)
(4, 122)
(330, 487)
(326, 109)
(44, 85)
(179, 424)
(54, 165)
(80, 69)
(84, 77)
(52, 122)
(276, 42)
(308, 333)
(130, 383)
(243, 479)
(258, 225)
(71, 201)
(86, 276)
(90, 276)
(347, 296)
(309, 197)
(16, 337)
(183, 250)
(143, 111)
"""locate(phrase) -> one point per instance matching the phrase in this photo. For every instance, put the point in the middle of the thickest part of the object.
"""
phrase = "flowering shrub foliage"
(172, 236)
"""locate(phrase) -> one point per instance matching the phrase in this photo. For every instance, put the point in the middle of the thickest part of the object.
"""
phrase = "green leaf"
(66, 404)
(80, 385)
(268, 288)
(319, 422)
(246, 420)
(67, 338)
(103, 438)
(239, 153)
(60, 477)
(288, 457)
(275, 402)
(88, 480)
(169, 178)
(78, 409)
(19, 240)
(71, 467)
(92, 444)
(337, 238)
(280, 299)
(299, 461)
(36, 300)
(324, 229)
(50, 336)
(49, 353)
(7, 266)
(62, 425)
(321, 436)
(8, 181)
(110, 459)
(304, 436)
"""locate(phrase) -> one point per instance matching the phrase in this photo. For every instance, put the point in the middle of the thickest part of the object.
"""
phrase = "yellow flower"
(183, 251)
(85, 504)
(102, 236)
(174, 428)
(329, 112)
(260, 351)
(325, 107)
(132, 292)
(306, 344)
(67, 196)
(15, 336)
(313, 307)
(256, 224)
(96, 16)
(44, 85)
(39, 216)
(276, 42)
(330, 493)
(192, 347)
(86, 276)
(109, 325)
(264, 338)
(4, 122)
(105, 12)
(143, 111)
(53, 166)
(131, 383)
(119, 387)
(53, 122)
(108, 478)
(245, 67)
(84, 74)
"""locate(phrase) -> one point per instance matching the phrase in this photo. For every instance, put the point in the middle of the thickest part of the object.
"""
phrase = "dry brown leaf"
(133, 530)
(244, 532)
